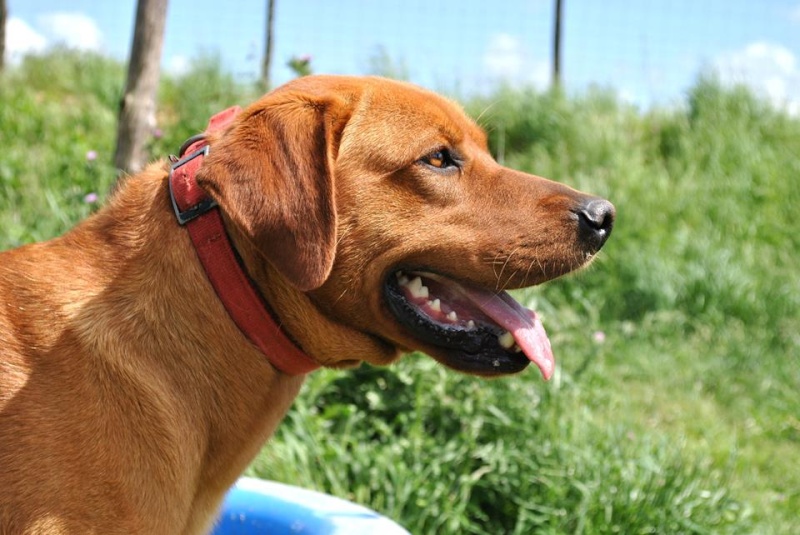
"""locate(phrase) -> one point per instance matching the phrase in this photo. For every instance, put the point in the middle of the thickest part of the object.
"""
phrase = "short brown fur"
(130, 402)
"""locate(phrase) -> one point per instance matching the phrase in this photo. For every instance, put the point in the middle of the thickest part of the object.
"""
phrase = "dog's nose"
(596, 219)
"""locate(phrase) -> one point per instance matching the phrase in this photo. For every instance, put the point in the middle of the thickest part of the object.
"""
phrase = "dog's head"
(388, 222)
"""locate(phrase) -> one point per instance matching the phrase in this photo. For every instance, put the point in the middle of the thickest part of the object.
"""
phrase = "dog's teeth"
(415, 284)
(417, 289)
(470, 324)
(506, 340)
(435, 305)
(452, 316)
(402, 278)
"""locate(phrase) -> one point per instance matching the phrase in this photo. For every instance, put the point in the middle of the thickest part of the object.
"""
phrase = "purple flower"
(599, 337)
(158, 133)
(90, 198)
(91, 156)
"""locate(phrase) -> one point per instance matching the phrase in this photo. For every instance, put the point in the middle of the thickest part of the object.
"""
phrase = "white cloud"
(769, 69)
(21, 39)
(507, 60)
(504, 56)
(178, 65)
(74, 30)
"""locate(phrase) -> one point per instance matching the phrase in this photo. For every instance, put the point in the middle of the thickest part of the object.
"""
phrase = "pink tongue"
(522, 323)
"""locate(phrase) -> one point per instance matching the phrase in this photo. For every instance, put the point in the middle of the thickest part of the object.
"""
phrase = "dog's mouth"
(473, 330)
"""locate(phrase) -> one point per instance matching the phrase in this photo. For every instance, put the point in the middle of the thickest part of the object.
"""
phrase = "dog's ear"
(272, 174)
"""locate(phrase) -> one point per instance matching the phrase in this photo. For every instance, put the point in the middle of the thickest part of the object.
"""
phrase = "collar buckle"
(206, 204)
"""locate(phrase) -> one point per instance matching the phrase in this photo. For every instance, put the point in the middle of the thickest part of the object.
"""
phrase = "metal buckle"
(198, 209)
(189, 142)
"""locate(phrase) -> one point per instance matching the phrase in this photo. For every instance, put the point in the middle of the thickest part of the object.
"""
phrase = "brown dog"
(371, 218)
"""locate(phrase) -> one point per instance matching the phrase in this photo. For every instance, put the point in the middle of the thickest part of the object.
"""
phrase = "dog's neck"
(224, 399)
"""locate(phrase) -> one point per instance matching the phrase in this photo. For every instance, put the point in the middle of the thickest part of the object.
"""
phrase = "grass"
(674, 408)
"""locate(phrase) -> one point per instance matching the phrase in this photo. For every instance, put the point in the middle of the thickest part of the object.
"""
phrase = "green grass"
(683, 417)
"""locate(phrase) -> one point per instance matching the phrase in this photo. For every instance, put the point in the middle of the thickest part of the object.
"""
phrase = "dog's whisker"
(502, 265)
(528, 272)
(502, 286)
(486, 110)
(508, 259)
(494, 262)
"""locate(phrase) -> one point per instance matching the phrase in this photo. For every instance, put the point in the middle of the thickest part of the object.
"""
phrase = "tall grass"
(54, 111)
(444, 453)
(698, 289)
(674, 408)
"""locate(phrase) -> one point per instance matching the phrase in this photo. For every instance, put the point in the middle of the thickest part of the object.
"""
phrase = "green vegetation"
(676, 405)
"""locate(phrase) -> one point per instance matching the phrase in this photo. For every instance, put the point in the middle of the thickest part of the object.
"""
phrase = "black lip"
(473, 351)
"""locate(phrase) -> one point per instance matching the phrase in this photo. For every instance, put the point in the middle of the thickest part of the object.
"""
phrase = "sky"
(649, 51)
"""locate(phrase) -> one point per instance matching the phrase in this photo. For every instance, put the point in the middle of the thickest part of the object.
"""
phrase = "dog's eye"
(440, 159)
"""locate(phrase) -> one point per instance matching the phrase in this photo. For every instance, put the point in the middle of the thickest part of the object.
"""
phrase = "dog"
(354, 220)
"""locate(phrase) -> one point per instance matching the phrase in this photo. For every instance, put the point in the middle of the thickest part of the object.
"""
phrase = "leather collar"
(199, 213)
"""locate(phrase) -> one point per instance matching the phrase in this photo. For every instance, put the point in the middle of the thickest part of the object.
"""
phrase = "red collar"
(200, 215)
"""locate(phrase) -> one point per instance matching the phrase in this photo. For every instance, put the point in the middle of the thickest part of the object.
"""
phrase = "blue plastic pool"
(254, 506)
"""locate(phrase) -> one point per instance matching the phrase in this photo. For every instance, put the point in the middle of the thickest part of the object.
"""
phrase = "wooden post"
(267, 60)
(557, 44)
(3, 17)
(138, 106)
